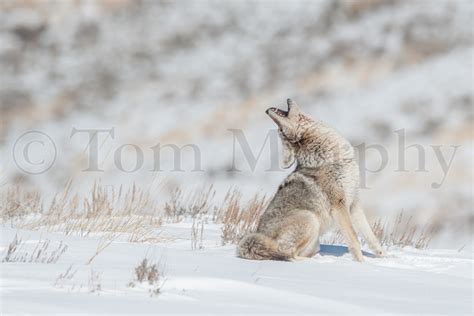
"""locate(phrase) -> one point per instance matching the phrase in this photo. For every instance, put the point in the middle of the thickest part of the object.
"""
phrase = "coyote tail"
(257, 246)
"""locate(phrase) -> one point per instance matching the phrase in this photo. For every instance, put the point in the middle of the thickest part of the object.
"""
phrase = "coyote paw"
(380, 254)
(356, 254)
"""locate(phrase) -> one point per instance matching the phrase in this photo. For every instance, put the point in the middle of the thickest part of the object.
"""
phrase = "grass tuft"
(43, 252)
(148, 273)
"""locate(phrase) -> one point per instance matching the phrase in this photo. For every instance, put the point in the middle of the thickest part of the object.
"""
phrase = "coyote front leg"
(360, 222)
(343, 220)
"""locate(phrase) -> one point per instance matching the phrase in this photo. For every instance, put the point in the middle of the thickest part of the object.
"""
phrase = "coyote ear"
(288, 153)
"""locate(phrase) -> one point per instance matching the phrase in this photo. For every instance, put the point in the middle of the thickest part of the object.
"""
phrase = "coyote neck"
(321, 146)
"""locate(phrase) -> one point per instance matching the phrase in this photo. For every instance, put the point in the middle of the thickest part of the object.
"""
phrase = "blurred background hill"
(162, 72)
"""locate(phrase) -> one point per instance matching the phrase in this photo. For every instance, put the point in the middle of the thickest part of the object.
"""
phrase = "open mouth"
(279, 112)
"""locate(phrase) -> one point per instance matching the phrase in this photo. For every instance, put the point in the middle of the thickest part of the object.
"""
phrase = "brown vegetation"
(133, 214)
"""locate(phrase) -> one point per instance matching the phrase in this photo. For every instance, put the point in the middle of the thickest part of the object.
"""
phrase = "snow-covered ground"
(213, 280)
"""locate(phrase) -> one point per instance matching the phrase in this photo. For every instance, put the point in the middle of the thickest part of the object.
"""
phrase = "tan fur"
(322, 188)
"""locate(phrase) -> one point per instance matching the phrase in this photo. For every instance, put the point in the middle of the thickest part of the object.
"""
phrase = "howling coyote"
(323, 187)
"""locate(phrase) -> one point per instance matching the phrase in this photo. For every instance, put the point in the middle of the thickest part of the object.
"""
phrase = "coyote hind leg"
(360, 222)
(299, 234)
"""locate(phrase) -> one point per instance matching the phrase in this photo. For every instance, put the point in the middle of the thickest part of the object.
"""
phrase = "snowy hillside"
(136, 129)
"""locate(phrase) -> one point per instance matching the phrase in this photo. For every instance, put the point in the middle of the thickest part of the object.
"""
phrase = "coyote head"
(308, 141)
(293, 128)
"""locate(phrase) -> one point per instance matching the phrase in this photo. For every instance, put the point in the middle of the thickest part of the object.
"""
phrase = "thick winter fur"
(321, 190)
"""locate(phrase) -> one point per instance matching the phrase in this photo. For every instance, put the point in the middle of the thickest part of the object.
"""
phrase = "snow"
(214, 280)
(175, 73)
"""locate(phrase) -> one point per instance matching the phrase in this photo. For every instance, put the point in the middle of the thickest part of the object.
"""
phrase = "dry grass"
(238, 220)
(19, 251)
(105, 210)
(151, 273)
(17, 203)
(94, 281)
(105, 241)
(65, 277)
(403, 231)
(400, 231)
(113, 213)
(197, 234)
(197, 203)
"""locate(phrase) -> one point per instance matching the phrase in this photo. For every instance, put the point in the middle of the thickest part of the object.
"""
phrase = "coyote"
(322, 188)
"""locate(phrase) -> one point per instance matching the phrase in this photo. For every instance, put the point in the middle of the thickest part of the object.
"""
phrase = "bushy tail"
(256, 246)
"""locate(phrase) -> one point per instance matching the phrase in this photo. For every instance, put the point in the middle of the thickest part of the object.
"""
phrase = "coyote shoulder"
(321, 190)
